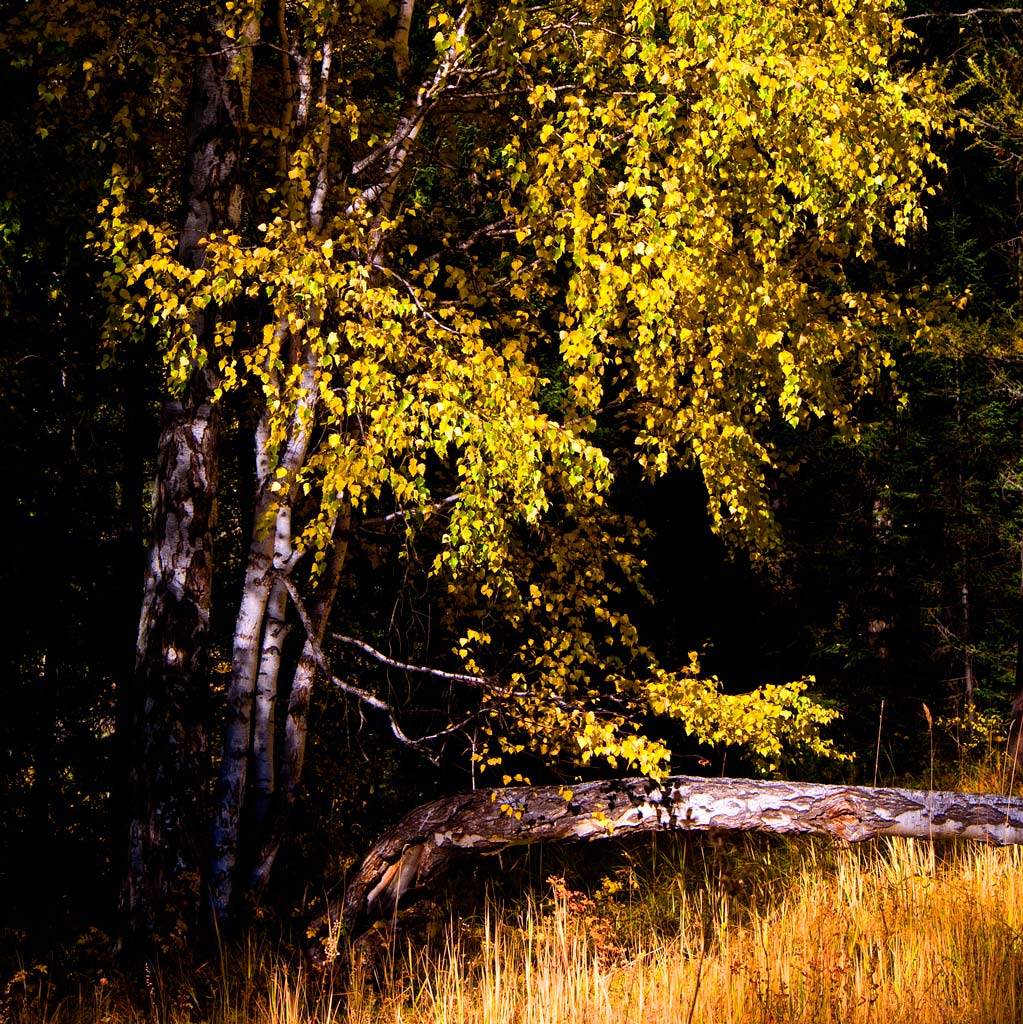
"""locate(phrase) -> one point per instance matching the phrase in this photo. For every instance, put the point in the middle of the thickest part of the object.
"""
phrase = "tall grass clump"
(890, 934)
(752, 932)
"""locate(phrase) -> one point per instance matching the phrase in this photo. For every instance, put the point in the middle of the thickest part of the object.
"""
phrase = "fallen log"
(410, 857)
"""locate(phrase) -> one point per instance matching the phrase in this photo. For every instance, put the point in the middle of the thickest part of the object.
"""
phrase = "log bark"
(410, 858)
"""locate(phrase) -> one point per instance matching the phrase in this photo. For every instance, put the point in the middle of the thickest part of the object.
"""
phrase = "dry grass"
(882, 935)
(892, 933)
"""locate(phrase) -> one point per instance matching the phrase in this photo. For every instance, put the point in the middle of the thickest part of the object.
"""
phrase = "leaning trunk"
(410, 858)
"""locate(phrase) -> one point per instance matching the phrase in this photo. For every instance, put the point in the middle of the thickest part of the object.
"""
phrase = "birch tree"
(666, 208)
(172, 689)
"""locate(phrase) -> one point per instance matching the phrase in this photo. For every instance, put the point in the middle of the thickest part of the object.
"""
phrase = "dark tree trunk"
(412, 855)
(169, 717)
(170, 709)
(1016, 722)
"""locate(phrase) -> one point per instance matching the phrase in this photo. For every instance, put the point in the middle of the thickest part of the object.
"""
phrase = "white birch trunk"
(264, 708)
(269, 551)
(295, 733)
(234, 761)
(254, 692)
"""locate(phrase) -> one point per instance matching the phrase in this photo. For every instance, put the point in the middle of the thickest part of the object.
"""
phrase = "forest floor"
(749, 929)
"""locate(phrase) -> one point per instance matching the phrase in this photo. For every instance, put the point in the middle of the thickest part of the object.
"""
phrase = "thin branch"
(478, 682)
(965, 14)
(375, 702)
(403, 513)
(504, 226)
(499, 93)
(451, 729)
(427, 315)
(400, 134)
(455, 677)
(367, 698)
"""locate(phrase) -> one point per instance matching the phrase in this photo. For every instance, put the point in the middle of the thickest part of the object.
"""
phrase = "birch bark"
(249, 724)
(295, 731)
(411, 856)
(247, 779)
(170, 687)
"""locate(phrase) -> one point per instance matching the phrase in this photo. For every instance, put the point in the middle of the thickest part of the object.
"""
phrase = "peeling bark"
(410, 858)
(248, 739)
(171, 688)
(171, 692)
(291, 759)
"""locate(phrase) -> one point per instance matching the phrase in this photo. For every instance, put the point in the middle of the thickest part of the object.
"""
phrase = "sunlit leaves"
(672, 201)
(710, 187)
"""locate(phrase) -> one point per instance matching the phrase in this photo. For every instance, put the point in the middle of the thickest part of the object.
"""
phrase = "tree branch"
(364, 696)
(504, 226)
(478, 682)
(426, 314)
(454, 677)
(382, 192)
(965, 14)
(404, 513)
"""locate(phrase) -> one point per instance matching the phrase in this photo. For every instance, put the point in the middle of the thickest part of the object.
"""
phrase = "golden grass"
(883, 935)
(896, 932)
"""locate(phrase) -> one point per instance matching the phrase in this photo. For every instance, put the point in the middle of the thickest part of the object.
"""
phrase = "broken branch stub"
(411, 856)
